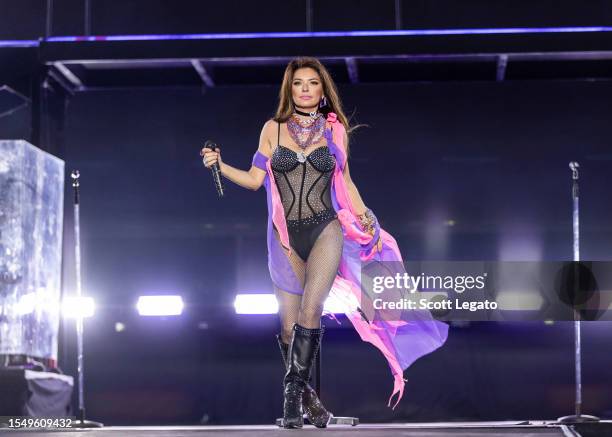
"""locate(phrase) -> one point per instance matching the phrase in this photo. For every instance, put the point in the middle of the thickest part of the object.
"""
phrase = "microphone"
(216, 170)
(574, 166)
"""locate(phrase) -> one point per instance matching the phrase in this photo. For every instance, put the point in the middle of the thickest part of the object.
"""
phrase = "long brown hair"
(285, 105)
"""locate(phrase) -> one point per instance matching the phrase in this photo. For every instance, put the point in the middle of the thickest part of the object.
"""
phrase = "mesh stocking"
(321, 269)
(289, 303)
(316, 276)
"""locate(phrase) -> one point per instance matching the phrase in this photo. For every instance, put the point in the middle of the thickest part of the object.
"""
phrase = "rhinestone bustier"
(304, 183)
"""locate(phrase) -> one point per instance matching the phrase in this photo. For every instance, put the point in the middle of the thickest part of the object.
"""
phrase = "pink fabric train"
(401, 340)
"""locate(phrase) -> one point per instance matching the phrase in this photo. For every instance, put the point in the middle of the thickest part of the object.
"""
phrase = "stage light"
(334, 305)
(19, 43)
(520, 241)
(256, 303)
(266, 303)
(119, 327)
(328, 34)
(42, 300)
(74, 307)
(160, 305)
(26, 304)
(519, 300)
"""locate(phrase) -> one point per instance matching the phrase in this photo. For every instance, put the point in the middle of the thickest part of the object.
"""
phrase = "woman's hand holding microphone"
(243, 178)
(210, 157)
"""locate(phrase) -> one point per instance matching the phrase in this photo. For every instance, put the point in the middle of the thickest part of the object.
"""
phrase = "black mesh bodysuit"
(315, 233)
(304, 184)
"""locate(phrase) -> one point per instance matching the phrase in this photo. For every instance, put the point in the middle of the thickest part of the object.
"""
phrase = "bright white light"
(256, 304)
(160, 305)
(74, 307)
(519, 300)
(40, 300)
(334, 305)
(26, 304)
(266, 303)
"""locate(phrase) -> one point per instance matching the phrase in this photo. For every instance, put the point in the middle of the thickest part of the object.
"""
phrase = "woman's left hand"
(369, 223)
(379, 245)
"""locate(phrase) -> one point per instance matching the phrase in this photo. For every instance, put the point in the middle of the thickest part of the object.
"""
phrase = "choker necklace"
(307, 114)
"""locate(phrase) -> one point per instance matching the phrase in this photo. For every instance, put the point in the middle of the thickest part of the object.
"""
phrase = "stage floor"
(515, 428)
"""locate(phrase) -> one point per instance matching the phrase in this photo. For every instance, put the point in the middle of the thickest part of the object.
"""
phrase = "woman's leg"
(289, 303)
(321, 270)
(299, 396)
(288, 309)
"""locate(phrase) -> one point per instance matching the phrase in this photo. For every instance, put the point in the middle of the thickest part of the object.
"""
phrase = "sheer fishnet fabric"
(316, 275)
(304, 189)
(289, 303)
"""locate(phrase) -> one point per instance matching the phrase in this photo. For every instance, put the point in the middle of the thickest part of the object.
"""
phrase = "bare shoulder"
(266, 138)
(270, 125)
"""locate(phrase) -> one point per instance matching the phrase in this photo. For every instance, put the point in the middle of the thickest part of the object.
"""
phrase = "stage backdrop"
(457, 171)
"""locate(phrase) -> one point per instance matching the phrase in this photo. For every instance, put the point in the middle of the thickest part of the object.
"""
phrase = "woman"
(320, 233)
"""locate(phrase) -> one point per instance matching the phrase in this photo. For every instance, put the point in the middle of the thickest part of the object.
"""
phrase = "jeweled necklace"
(308, 132)
(312, 117)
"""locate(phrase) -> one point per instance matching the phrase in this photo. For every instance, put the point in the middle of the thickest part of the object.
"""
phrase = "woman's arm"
(366, 217)
(356, 200)
(252, 179)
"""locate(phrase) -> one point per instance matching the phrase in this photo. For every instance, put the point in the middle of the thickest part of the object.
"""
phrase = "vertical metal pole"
(576, 247)
(398, 14)
(49, 23)
(37, 82)
(308, 15)
(79, 319)
(81, 422)
(87, 23)
(578, 416)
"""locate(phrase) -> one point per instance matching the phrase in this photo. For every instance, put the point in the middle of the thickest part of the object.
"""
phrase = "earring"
(323, 102)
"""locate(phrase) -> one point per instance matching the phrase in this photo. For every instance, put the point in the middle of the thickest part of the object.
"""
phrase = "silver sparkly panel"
(31, 217)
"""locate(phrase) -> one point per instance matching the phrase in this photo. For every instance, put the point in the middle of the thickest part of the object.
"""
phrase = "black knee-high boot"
(315, 411)
(301, 354)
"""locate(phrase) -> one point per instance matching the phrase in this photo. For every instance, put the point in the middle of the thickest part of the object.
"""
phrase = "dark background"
(27, 19)
(454, 169)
